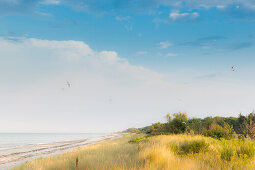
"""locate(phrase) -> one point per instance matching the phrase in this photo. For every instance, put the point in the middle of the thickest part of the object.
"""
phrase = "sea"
(9, 140)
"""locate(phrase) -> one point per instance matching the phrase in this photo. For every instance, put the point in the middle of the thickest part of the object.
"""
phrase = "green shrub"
(177, 126)
(174, 147)
(193, 147)
(189, 147)
(218, 132)
(137, 140)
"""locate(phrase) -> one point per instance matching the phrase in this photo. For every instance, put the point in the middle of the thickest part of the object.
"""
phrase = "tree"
(196, 125)
(180, 115)
(178, 124)
(247, 125)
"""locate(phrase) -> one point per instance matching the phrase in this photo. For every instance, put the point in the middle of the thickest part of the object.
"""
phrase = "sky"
(129, 62)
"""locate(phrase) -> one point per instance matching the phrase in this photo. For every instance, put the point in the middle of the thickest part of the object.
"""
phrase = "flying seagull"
(68, 84)
(233, 69)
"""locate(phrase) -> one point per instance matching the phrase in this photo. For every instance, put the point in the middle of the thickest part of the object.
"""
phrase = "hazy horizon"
(105, 66)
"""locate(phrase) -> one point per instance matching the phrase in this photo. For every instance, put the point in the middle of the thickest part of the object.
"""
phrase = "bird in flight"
(233, 69)
(68, 84)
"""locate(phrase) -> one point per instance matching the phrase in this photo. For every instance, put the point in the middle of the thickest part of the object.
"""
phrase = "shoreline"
(10, 158)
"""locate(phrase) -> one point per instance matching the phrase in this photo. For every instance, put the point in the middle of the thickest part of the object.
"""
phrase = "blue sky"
(150, 57)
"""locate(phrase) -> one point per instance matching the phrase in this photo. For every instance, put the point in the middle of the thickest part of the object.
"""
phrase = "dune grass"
(135, 152)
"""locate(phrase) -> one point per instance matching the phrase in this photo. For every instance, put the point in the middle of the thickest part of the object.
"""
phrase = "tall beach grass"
(137, 152)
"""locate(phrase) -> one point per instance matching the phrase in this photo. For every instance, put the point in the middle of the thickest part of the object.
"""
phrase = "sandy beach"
(12, 157)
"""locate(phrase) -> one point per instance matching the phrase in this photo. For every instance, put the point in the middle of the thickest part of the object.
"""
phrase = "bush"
(174, 147)
(193, 147)
(196, 125)
(157, 129)
(189, 147)
(218, 132)
(137, 140)
(177, 126)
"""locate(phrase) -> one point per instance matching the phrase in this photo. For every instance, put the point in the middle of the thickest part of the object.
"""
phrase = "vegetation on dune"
(180, 143)
(179, 151)
(138, 140)
(217, 127)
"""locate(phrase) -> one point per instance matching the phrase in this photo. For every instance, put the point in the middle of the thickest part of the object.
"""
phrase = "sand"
(12, 157)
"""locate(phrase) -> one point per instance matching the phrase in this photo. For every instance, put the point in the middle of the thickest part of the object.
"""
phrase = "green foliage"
(138, 140)
(181, 116)
(168, 117)
(247, 125)
(195, 124)
(237, 149)
(195, 146)
(174, 147)
(132, 130)
(207, 122)
(217, 127)
(177, 126)
(218, 132)
(189, 147)
(157, 128)
(233, 122)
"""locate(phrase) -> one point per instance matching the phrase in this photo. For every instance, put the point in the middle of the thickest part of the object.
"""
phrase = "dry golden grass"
(102, 156)
(189, 152)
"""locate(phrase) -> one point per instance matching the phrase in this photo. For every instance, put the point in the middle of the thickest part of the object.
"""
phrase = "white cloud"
(220, 6)
(171, 55)
(34, 92)
(122, 18)
(176, 15)
(51, 2)
(33, 73)
(165, 44)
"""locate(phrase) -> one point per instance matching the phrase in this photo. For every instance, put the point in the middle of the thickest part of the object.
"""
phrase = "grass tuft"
(138, 140)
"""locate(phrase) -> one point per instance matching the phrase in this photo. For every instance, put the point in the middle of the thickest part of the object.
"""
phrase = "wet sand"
(12, 157)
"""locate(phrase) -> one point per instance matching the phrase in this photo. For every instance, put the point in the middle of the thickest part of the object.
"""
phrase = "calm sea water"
(20, 139)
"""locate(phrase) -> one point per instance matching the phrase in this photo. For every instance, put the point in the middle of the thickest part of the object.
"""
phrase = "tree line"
(216, 127)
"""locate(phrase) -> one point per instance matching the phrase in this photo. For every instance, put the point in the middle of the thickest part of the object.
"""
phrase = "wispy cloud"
(141, 52)
(51, 2)
(240, 11)
(243, 9)
(238, 46)
(177, 16)
(220, 7)
(126, 19)
(207, 76)
(17, 6)
(164, 44)
(129, 27)
(171, 55)
(122, 18)
(204, 42)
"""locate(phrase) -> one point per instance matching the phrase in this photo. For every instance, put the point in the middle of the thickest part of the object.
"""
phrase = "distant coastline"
(9, 140)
